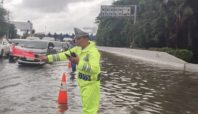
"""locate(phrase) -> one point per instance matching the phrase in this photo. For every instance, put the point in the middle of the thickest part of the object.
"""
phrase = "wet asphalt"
(128, 86)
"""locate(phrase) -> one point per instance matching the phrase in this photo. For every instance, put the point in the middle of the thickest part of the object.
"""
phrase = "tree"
(161, 23)
(25, 35)
(33, 31)
(3, 24)
(186, 18)
(12, 31)
(72, 35)
(49, 34)
(61, 36)
(55, 35)
(91, 37)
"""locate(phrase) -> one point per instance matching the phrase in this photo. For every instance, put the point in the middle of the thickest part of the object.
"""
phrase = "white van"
(48, 39)
(67, 39)
(4, 47)
(33, 38)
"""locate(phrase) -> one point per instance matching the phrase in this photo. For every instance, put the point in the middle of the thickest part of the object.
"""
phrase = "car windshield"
(57, 44)
(36, 45)
(20, 42)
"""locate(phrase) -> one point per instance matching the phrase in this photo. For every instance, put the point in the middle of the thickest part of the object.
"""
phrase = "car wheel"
(11, 58)
(7, 54)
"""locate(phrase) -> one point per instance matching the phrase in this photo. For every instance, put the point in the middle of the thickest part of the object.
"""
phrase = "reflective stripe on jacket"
(89, 63)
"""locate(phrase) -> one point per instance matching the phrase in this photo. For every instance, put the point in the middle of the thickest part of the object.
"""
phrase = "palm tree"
(185, 17)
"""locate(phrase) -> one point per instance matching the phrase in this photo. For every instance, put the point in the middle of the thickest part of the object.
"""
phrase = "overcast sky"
(59, 16)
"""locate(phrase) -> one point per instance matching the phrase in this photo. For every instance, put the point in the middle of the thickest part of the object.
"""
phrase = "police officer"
(88, 69)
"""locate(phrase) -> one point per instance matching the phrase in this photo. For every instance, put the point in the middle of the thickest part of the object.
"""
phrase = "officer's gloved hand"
(72, 54)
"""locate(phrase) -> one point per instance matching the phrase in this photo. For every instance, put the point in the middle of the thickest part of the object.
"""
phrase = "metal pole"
(135, 17)
(135, 14)
(45, 30)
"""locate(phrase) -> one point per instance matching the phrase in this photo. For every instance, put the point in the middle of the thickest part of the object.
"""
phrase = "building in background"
(39, 34)
(23, 26)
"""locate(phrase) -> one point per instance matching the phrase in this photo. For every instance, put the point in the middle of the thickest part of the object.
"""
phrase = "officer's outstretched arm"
(60, 56)
(93, 66)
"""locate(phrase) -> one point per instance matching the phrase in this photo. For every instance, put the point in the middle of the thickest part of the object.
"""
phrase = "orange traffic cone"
(62, 98)
(69, 65)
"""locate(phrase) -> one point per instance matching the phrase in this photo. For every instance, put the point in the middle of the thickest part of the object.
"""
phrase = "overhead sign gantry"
(118, 11)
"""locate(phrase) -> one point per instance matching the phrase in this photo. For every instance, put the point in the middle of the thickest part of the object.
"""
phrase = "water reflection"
(136, 87)
(61, 108)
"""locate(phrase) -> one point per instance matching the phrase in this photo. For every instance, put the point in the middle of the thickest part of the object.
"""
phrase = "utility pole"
(45, 30)
(135, 14)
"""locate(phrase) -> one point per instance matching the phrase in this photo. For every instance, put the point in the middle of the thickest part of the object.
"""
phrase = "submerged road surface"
(128, 86)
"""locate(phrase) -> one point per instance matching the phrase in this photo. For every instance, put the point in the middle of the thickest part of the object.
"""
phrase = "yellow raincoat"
(88, 75)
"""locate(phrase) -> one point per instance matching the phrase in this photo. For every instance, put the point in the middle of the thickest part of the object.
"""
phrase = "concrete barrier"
(191, 67)
(150, 56)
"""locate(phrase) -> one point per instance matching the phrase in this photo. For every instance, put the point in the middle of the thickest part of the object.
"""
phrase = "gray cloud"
(51, 6)
(59, 17)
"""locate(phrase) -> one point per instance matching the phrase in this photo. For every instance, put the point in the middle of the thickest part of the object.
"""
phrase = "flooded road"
(128, 86)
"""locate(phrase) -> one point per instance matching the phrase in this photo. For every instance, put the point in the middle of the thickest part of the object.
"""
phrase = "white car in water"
(60, 46)
(33, 38)
(48, 39)
(19, 43)
(40, 48)
(67, 39)
(4, 47)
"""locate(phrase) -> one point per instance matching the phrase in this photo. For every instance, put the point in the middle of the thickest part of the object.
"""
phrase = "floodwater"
(128, 86)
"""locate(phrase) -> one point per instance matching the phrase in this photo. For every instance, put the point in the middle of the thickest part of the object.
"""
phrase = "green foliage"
(33, 31)
(108, 34)
(25, 35)
(160, 23)
(148, 31)
(164, 49)
(12, 31)
(3, 24)
(183, 54)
